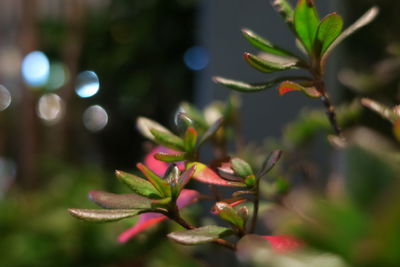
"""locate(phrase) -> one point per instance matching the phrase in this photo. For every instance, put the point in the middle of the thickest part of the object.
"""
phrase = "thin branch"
(255, 206)
(330, 112)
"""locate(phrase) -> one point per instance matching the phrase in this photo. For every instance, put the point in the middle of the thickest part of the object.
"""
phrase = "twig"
(255, 206)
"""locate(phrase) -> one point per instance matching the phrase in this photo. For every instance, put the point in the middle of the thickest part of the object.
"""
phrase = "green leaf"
(288, 86)
(161, 185)
(306, 22)
(242, 86)
(211, 131)
(263, 44)
(167, 139)
(367, 18)
(200, 235)
(270, 162)
(265, 65)
(186, 176)
(114, 201)
(103, 215)
(144, 125)
(229, 214)
(241, 167)
(169, 157)
(138, 185)
(183, 121)
(190, 139)
(328, 30)
(285, 9)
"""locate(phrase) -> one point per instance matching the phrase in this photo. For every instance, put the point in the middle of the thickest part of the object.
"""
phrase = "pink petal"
(282, 243)
(149, 219)
(206, 175)
(157, 166)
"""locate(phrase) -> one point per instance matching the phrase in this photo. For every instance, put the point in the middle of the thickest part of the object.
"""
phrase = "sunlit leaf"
(242, 86)
(123, 201)
(306, 22)
(206, 175)
(289, 86)
(241, 167)
(168, 157)
(138, 185)
(367, 18)
(144, 125)
(200, 235)
(265, 65)
(167, 139)
(161, 185)
(263, 44)
(270, 162)
(328, 30)
(103, 215)
(183, 121)
(285, 9)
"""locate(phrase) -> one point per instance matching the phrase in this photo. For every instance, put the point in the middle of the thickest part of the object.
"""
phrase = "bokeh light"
(196, 58)
(50, 108)
(58, 76)
(87, 84)
(5, 98)
(95, 118)
(35, 69)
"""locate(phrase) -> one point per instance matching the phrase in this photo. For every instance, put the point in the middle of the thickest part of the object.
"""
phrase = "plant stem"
(255, 206)
(330, 111)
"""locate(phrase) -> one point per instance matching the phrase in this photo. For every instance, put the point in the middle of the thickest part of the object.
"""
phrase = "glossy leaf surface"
(242, 86)
(229, 214)
(265, 65)
(306, 22)
(168, 157)
(206, 175)
(241, 167)
(115, 201)
(103, 215)
(144, 125)
(285, 9)
(138, 185)
(200, 235)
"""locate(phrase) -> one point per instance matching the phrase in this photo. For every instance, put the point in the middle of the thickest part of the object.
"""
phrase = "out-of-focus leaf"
(306, 22)
(397, 129)
(114, 201)
(168, 157)
(328, 30)
(138, 185)
(283, 243)
(144, 125)
(263, 44)
(167, 139)
(386, 112)
(243, 212)
(207, 175)
(211, 131)
(241, 167)
(229, 214)
(285, 9)
(190, 139)
(289, 86)
(195, 114)
(270, 162)
(267, 66)
(145, 221)
(367, 18)
(161, 185)
(183, 121)
(103, 215)
(200, 235)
